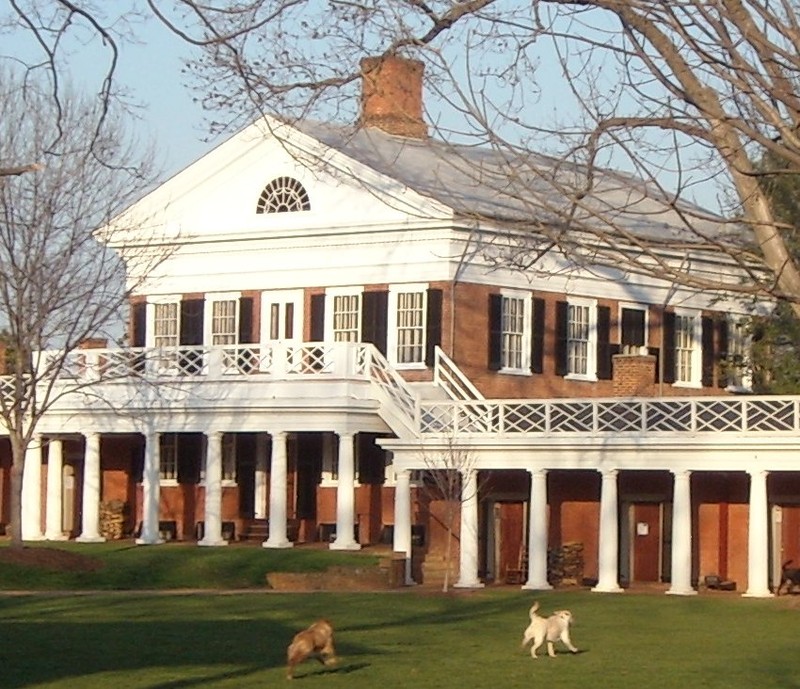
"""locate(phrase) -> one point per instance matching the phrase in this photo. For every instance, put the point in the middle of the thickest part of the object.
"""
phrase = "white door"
(282, 323)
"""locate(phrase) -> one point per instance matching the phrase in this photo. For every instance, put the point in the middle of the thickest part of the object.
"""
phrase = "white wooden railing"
(554, 418)
(450, 378)
(410, 417)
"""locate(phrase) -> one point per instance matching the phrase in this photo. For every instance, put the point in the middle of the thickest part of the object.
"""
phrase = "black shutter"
(139, 324)
(537, 336)
(561, 338)
(709, 356)
(433, 325)
(191, 322)
(603, 343)
(668, 330)
(495, 332)
(246, 320)
(317, 317)
(374, 310)
(722, 354)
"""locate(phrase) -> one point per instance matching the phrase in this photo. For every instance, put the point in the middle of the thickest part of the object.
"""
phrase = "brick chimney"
(391, 96)
(634, 375)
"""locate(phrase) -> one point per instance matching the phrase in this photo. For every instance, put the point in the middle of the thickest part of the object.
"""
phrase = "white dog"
(550, 629)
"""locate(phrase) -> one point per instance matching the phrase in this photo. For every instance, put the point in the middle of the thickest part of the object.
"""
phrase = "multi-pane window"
(223, 322)
(346, 310)
(685, 345)
(229, 458)
(578, 338)
(736, 364)
(165, 325)
(410, 327)
(513, 333)
(168, 456)
(283, 195)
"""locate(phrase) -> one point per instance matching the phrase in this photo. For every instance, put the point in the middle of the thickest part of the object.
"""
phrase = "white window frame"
(739, 344)
(393, 326)
(695, 352)
(208, 317)
(330, 300)
(591, 338)
(523, 337)
(168, 445)
(150, 310)
(635, 307)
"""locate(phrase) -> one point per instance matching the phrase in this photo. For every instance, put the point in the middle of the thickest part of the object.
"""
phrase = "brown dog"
(316, 640)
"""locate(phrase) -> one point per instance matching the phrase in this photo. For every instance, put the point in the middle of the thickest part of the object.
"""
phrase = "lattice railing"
(612, 416)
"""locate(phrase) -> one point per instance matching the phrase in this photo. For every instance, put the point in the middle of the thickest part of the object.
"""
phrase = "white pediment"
(216, 197)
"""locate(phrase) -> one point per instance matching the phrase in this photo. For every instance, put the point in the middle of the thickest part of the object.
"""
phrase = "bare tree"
(442, 482)
(683, 95)
(59, 285)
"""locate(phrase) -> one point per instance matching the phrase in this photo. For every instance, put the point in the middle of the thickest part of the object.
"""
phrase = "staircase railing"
(450, 378)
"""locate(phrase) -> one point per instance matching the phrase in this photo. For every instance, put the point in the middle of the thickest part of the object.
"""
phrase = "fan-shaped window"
(283, 195)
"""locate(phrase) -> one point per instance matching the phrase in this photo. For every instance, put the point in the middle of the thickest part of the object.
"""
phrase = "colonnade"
(608, 547)
(150, 533)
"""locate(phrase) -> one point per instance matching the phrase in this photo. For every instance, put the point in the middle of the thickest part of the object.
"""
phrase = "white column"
(212, 528)
(260, 489)
(346, 496)
(90, 505)
(608, 556)
(55, 490)
(468, 559)
(537, 533)
(151, 491)
(758, 538)
(682, 535)
(32, 491)
(402, 520)
(277, 495)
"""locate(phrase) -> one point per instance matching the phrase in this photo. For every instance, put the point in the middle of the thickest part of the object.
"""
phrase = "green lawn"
(413, 638)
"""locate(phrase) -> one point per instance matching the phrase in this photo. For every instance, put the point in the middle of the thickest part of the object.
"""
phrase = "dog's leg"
(565, 638)
(551, 649)
(537, 642)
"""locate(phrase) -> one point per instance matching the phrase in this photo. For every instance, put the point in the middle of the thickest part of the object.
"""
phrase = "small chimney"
(634, 375)
(391, 96)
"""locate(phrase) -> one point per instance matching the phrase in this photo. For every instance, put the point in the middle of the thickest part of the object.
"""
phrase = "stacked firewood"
(565, 564)
(112, 519)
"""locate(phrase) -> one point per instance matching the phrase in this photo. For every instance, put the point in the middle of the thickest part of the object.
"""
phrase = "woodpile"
(565, 565)
(112, 519)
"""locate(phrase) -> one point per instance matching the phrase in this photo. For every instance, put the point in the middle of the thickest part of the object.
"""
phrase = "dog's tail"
(533, 610)
(786, 564)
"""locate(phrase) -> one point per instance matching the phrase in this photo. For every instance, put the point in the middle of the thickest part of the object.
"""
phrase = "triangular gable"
(218, 193)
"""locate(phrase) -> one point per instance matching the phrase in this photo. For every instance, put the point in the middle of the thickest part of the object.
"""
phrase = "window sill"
(515, 371)
(582, 377)
(688, 386)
